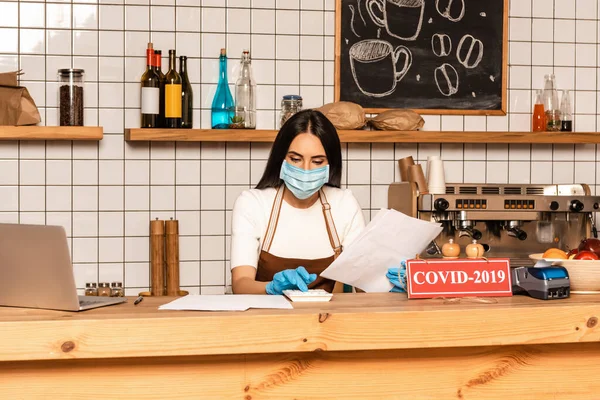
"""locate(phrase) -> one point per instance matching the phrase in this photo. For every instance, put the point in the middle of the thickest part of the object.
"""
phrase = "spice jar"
(290, 105)
(91, 289)
(116, 289)
(474, 250)
(450, 249)
(70, 97)
(104, 289)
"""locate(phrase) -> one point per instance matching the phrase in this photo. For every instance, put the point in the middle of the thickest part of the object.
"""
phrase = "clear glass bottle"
(116, 289)
(290, 105)
(70, 96)
(245, 95)
(539, 116)
(91, 289)
(551, 105)
(104, 289)
(187, 96)
(222, 105)
(566, 112)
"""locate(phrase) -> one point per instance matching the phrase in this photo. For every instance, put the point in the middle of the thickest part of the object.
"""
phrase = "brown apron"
(269, 264)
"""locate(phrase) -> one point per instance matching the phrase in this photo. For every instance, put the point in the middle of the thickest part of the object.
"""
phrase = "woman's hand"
(298, 278)
(397, 277)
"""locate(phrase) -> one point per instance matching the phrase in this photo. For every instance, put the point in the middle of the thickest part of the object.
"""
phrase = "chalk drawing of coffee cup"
(402, 19)
(374, 65)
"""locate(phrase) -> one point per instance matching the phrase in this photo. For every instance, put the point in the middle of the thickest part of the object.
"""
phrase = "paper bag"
(344, 115)
(16, 105)
(397, 120)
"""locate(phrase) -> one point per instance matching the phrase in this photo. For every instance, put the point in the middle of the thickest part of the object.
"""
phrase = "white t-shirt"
(300, 233)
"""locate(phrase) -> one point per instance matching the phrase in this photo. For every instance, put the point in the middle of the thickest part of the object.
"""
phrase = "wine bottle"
(172, 94)
(161, 79)
(187, 95)
(245, 95)
(222, 105)
(150, 93)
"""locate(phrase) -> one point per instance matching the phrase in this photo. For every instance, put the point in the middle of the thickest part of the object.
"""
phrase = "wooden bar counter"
(358, 346)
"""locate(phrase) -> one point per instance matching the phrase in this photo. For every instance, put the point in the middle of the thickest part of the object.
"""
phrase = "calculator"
(311, 295)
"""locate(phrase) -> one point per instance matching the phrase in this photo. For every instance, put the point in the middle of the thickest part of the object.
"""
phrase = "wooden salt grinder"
(157, 257)
(172, 244)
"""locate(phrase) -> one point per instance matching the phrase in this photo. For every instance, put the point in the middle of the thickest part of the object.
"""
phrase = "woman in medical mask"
(288, 229)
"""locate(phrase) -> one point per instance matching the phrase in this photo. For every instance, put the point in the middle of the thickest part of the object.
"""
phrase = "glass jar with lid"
(70, 97)
(91, 289)
(104, 289)
(290, 105)
(116, 289)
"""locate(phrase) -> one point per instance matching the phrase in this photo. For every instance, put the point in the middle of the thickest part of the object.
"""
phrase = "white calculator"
(311, 295)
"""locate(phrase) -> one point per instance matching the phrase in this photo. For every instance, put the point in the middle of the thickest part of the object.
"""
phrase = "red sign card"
(458, 278)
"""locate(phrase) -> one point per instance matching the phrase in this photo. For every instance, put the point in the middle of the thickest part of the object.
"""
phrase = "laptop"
(36, 270)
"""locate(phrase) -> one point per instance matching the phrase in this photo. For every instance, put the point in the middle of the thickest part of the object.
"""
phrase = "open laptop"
(36, 270)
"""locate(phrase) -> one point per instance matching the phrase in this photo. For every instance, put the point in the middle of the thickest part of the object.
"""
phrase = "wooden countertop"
(349, 322)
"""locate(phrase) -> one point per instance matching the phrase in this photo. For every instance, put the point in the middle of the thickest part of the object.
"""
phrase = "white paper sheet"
(390, 237)
(223, 302)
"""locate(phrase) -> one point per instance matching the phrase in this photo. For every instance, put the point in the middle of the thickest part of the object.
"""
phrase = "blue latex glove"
(397, 277)
(298, 278)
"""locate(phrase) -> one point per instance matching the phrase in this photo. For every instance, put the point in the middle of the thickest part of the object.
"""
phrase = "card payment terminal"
(545, 283)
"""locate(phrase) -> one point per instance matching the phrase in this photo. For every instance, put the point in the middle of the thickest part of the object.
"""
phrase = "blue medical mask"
(303, 183)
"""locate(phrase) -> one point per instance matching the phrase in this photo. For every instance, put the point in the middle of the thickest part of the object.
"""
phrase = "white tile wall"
(105, 193)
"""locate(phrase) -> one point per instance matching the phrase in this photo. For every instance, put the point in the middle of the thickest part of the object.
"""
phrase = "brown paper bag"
(344, 115)
(397, 120)
(16, 105)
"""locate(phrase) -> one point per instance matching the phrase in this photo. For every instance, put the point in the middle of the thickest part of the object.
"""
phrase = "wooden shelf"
(51, 132)
(247, 135)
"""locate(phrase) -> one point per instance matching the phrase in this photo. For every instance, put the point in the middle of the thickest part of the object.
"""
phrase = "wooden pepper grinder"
(157, 257)
(172, 244)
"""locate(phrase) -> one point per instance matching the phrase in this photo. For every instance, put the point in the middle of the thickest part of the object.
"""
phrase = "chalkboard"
(433, 56)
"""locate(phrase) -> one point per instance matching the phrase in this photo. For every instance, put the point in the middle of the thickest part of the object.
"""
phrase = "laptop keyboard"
(83, 303)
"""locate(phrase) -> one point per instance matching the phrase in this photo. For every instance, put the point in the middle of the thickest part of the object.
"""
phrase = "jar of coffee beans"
(290, 105)
(70, 97)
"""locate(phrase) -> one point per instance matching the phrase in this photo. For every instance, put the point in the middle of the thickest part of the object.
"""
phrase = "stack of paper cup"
(415, 174)
(436, 177)
(404, 164)
(429, 163)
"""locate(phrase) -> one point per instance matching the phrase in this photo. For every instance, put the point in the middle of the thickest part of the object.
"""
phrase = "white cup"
(436, 177)
(429, 158)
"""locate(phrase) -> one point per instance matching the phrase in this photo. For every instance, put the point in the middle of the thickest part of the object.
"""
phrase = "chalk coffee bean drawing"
(441, 44)
(453, 10)
(446, 79)
(371, 55)
(401, 19)
(474, 51)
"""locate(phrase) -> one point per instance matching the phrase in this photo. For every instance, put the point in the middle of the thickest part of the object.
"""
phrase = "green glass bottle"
(187, 95)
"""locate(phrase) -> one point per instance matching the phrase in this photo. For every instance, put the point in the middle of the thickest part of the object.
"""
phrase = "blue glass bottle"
(222, 105)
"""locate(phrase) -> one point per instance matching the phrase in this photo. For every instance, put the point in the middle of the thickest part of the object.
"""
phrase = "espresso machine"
(511, 221)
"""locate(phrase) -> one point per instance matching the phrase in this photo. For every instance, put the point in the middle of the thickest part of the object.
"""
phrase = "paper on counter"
(223, 302)
(390, 237)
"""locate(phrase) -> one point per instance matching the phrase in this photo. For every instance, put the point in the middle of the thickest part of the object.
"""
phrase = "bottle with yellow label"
(172, 94)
